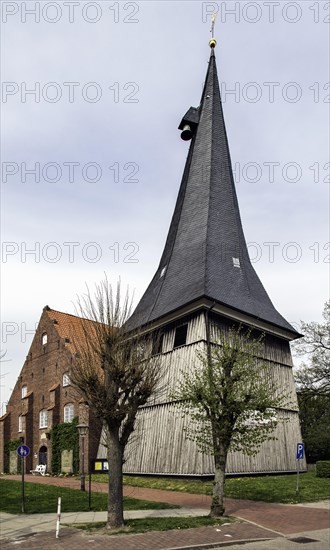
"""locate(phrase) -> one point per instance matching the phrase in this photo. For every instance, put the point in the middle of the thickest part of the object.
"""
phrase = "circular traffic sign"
(23, 450)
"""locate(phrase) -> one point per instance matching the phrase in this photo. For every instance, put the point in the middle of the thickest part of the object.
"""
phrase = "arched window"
(43, 418)
(24, 391)
(68, 412)
(44, 339)
(66, 379)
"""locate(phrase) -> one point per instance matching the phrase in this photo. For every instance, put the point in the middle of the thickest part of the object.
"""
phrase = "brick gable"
(50, 357)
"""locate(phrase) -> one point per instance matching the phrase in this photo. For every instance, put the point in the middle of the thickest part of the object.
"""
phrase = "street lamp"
(83, 430)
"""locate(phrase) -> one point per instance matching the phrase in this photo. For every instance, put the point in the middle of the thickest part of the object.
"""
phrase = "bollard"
(58, 517)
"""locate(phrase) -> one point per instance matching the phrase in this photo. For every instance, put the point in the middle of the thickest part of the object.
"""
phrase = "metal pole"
(297, 485)
(22, 466)
(82, 480)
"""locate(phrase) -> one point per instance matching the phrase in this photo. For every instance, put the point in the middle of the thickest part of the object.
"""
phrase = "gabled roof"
(71, 328)
(205, 254)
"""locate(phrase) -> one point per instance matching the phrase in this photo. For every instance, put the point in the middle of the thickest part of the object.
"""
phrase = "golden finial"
(213, 41)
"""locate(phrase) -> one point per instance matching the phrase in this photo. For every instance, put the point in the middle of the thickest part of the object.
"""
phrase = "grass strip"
(133, 526)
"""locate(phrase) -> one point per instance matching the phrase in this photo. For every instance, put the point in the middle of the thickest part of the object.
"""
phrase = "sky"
(91, 157)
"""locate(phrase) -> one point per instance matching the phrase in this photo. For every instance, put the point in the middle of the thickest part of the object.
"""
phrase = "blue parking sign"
(300, 451)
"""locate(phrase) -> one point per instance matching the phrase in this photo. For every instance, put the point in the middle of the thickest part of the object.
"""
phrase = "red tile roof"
(71, 328)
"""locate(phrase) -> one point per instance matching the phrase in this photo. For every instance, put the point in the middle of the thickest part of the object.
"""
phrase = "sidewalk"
(265, 521)
(16, 528)
(42, 535)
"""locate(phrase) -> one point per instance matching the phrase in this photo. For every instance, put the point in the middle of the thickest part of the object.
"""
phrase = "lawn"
(280, 488)
(43, 498)
(276, 488)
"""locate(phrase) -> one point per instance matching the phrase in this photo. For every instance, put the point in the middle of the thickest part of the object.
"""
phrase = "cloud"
(147, 74)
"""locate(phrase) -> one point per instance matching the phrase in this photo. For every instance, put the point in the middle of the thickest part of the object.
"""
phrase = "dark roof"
(206, 232)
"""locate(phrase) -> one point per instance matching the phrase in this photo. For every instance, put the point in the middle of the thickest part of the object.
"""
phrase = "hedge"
(323, 468)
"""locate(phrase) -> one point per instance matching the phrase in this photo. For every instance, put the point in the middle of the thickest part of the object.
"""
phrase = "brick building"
(43, 396)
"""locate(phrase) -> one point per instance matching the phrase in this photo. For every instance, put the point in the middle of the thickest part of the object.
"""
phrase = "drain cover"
(303, 540)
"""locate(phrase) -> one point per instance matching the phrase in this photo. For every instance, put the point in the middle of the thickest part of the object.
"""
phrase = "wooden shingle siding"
(160, 447)
(159, 444)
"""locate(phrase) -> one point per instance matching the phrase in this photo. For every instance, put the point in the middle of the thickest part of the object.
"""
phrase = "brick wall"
(42, 375)
(4, 436)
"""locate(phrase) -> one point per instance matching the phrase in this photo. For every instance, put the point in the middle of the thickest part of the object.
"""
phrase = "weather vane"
(213, 41)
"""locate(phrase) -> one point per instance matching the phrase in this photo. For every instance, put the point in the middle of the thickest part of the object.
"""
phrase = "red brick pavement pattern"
(277, 517)
(76, 540)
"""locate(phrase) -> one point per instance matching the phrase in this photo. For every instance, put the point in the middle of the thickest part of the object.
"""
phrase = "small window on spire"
(236, 262)
(162, 273)
(44, 339)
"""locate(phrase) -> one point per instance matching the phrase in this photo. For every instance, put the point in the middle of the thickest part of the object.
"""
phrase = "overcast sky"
(111, 83)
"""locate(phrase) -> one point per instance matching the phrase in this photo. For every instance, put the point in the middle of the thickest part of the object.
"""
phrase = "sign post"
(299, 456)
(23, 451)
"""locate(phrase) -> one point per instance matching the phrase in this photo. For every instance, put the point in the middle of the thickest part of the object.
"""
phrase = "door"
(43, 455)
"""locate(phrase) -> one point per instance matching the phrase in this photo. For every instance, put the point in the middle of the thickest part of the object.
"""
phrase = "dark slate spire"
(205, 254)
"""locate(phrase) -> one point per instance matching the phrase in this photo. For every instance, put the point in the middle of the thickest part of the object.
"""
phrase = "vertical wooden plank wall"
(159, 445)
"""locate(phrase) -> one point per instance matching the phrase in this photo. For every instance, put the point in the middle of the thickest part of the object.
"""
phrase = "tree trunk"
(115, 493)
(217, 506)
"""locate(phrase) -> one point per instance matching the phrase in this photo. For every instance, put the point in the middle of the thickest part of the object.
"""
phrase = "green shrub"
(12, 446)
(65, 437)
(323, 468)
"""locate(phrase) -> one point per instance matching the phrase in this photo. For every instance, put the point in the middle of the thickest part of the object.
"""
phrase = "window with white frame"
(66, 379)
(43, 418)
(44, 339)
(20, 423)
(24, 391)
(68, 412)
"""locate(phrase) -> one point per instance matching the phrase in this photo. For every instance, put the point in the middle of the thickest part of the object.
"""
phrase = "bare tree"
(232, 401)
(313, 374)
(116, 373)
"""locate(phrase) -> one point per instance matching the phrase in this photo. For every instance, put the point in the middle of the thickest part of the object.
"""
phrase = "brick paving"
(267, 521)
(281, 518)
(167, 540)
